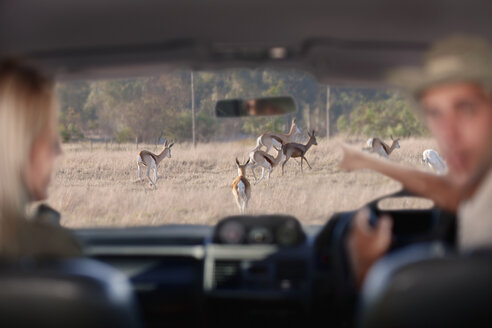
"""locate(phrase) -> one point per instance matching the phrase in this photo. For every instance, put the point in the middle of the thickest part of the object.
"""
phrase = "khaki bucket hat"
(454, 59)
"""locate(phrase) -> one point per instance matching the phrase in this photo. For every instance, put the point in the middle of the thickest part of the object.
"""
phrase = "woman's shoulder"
(43, 239)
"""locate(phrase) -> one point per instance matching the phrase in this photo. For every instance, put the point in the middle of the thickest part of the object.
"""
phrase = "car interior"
(246, 270)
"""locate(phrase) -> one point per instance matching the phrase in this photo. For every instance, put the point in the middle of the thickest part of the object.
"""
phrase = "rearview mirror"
(255, 107)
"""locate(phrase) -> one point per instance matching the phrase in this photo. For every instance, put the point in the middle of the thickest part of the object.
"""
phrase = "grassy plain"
(99, 186)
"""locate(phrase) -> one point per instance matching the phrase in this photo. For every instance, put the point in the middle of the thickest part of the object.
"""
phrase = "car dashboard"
(262, 270)
(189, 274)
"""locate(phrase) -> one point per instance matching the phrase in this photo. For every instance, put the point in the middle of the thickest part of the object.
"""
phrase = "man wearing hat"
(453, 90)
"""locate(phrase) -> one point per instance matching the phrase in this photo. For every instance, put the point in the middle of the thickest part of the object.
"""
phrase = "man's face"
(459, 115)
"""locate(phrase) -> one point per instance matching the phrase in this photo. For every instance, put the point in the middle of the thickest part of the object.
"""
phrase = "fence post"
(328, 105)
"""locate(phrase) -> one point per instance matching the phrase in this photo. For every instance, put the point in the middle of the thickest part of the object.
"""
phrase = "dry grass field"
(99, 187)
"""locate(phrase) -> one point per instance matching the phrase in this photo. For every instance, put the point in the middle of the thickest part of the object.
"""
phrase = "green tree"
(342, 123)
(385, 117)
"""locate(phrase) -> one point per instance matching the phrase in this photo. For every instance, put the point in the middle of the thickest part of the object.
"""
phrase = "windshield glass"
(111, 128)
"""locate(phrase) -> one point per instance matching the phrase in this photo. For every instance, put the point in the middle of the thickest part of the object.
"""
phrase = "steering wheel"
(443, 224)
(375, 212)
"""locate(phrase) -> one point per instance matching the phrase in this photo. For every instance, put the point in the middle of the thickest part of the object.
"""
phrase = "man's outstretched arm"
(445, 194)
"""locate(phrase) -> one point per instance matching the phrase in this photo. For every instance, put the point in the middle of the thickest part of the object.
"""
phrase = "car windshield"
(112, 128)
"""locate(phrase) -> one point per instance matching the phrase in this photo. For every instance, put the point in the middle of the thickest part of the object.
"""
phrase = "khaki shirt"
(475, 218)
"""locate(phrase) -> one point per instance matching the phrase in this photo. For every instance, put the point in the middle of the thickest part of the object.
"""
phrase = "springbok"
(241, 188)
(298, 150)
(431, 158)
(151, 161)
(376, 145)
(265, 161)
(270, 139)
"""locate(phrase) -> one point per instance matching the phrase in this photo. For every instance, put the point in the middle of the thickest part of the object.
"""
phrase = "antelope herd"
(286, 149)
(282, 143)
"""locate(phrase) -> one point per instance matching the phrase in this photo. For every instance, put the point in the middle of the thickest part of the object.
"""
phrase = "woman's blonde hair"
(27, 108)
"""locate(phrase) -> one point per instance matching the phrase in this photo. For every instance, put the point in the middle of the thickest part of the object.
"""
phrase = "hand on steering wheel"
(368, 241)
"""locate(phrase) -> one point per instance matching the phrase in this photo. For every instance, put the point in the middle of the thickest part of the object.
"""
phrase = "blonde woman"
(29, 144)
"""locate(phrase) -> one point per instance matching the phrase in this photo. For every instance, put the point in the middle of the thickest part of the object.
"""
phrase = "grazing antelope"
(265, 161)
(431, 158)
(376, 145)
(298, 150)
(270, 139)
(151, 161)
(241, 188)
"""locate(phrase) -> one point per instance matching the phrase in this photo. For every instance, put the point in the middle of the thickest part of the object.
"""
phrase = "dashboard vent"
(227, 274)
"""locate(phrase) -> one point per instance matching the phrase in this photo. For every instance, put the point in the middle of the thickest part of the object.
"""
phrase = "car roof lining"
(353, 41)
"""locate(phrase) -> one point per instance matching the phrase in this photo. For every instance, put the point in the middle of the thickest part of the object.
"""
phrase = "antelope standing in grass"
(376, 145)
(298, 150)
(265, 161)
(270, 139)
(151, 161)
(431, 158)
(241, 188)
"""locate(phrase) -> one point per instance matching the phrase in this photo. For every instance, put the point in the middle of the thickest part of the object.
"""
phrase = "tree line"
(149, 108)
